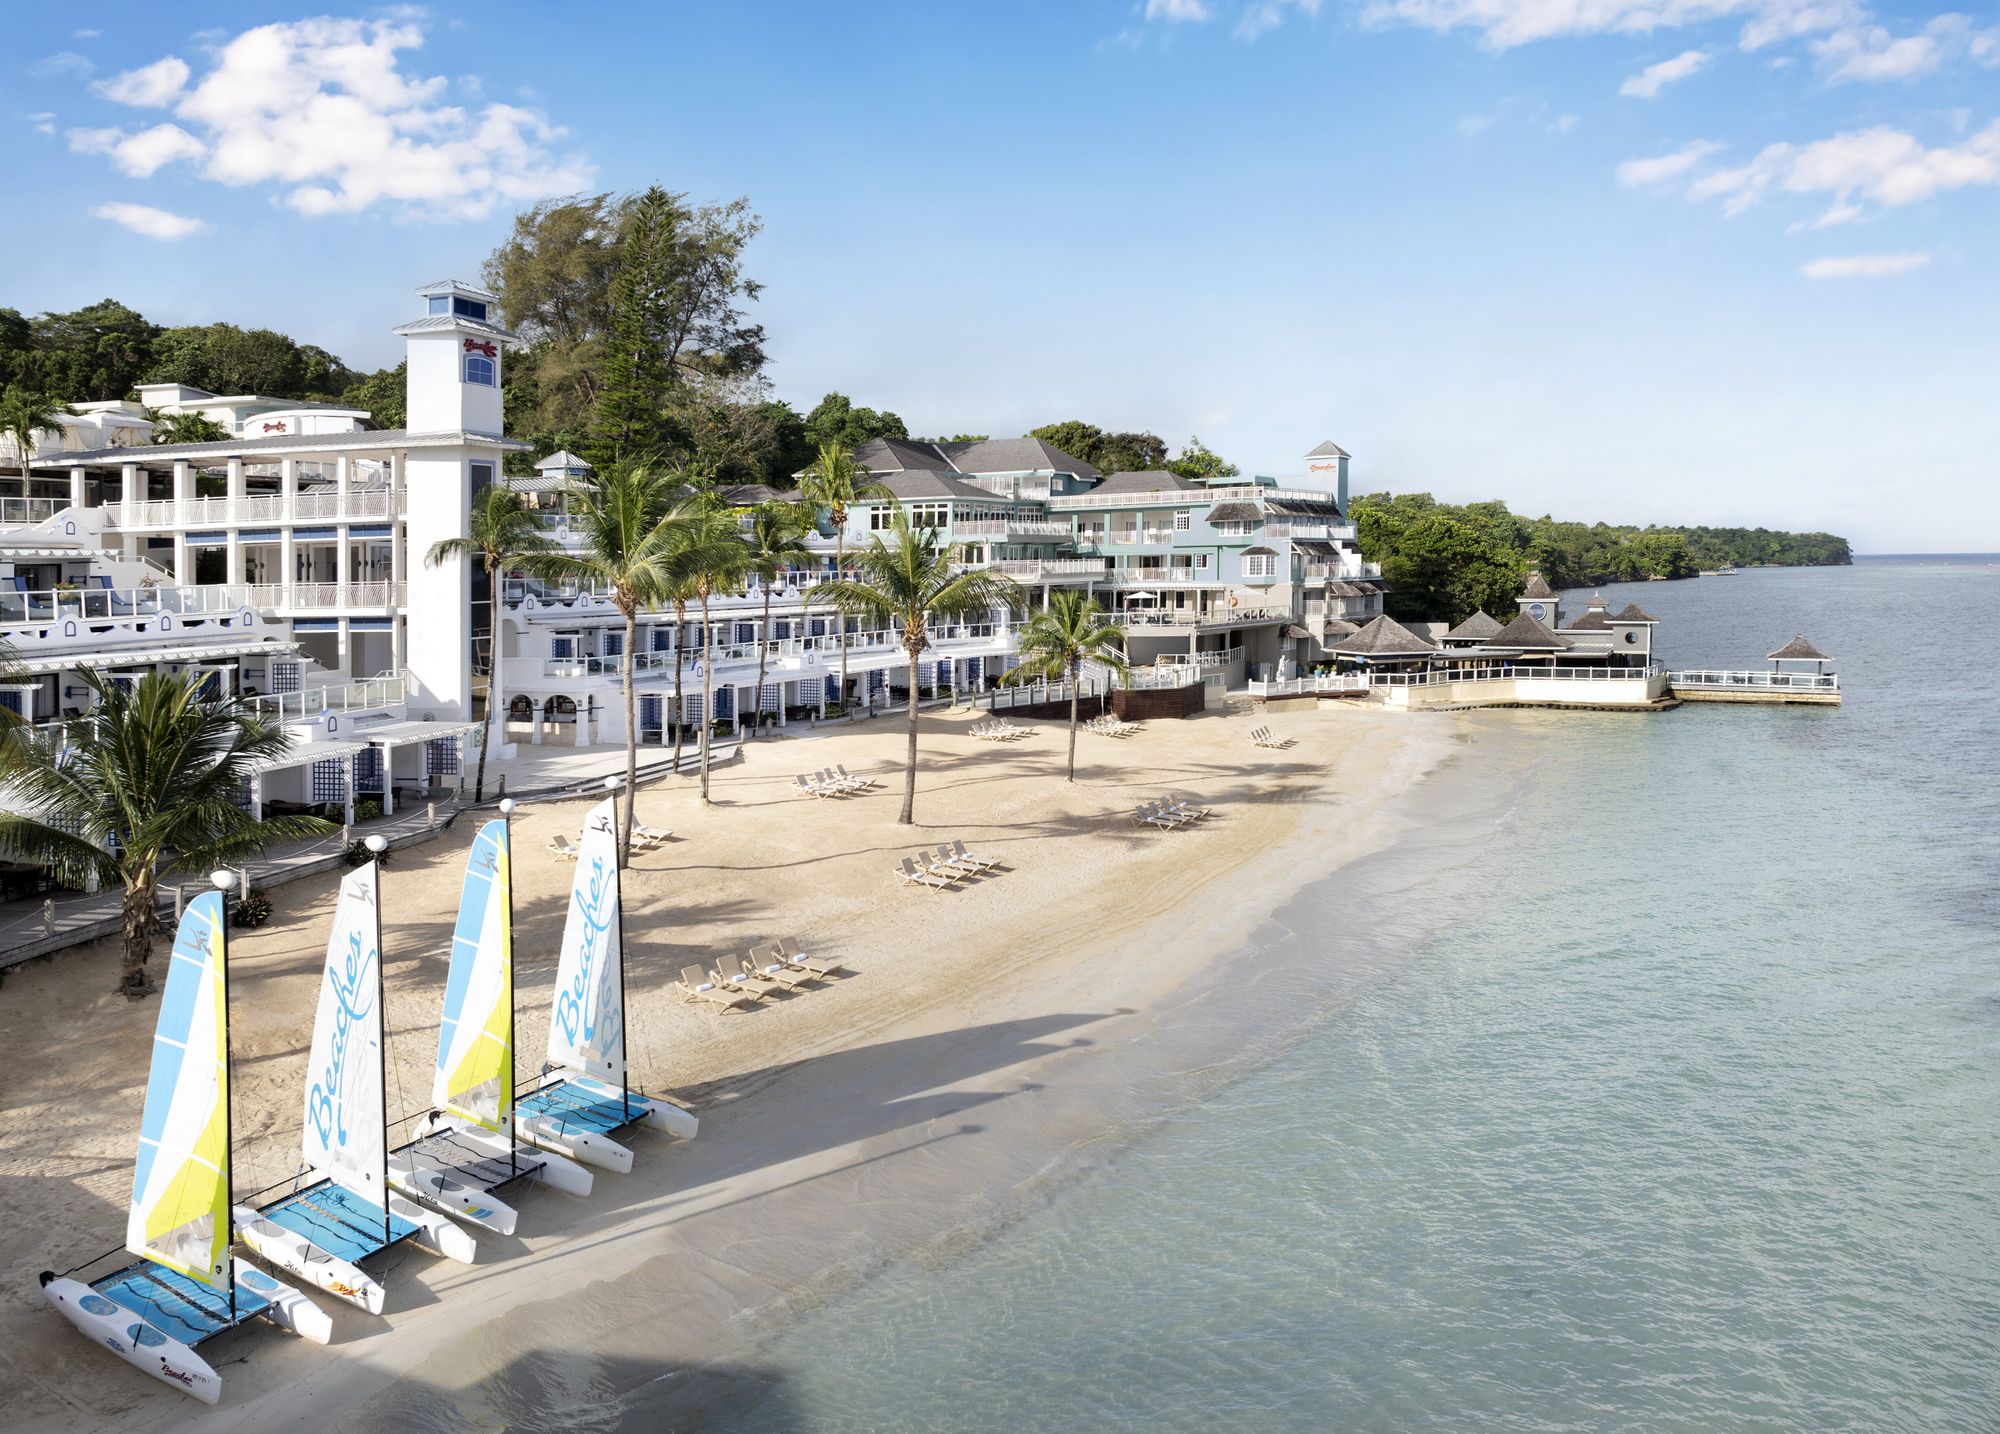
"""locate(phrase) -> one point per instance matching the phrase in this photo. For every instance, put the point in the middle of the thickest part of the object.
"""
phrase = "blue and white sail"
(179, 1215)
(345, 1111)
(475, 1064)
(587, 1026)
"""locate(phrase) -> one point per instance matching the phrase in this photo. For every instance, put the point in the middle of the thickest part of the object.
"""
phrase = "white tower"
(1329, 460)
(455, 353)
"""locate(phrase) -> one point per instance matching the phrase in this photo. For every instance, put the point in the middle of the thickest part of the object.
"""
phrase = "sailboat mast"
(224, 880)
(624, 1045)
(379, 844)
(513, 1121)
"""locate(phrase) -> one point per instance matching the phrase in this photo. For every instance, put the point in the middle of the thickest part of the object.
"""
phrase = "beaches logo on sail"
(326, 1105)
(576, 1012)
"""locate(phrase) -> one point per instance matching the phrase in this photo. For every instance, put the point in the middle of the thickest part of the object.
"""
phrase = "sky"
(1652, 261)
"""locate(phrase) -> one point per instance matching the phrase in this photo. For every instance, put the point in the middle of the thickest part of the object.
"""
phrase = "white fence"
(1327, 683)
(316, 506)
(376, 692)
(24, 512)
(1700, 681)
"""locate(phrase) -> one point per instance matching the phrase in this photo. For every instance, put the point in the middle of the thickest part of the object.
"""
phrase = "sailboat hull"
(105, 1322)
(454, 1197)
(434, 1232)
(296, 1255)
(288, 1309)
(588, 1146)
(558, 1172)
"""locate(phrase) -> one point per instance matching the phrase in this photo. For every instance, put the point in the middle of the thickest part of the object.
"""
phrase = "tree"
(189, 427)
(88, 355)
(712, 555)
(833, 483)
(147, 786)
(1106, 452)
(24, 414)
(1442, 570)
(636, 371)
(1072, 630)
(500, 533)
(385, 394)
(1197, 462)
(626, 517)
(835, 419)
(910, 581)
(775, 544)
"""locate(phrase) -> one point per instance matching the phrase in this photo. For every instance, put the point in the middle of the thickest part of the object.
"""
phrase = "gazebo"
(1801, 651)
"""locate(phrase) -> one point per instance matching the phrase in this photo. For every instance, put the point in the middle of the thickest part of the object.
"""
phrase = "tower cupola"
(455, 352)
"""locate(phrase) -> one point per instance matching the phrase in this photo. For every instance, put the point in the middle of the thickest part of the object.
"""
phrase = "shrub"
(359, 855)
(252, 910)
(367, 809)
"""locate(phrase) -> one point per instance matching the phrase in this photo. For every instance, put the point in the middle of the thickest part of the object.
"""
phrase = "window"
(1201, 562)
(1260, 565)
(1233, 529)
(482, 477)
(1183, 520)
(469, 309)
(439, 304)
(481, 369)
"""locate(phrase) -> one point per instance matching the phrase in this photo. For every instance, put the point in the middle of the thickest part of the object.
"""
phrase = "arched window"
(480, 369)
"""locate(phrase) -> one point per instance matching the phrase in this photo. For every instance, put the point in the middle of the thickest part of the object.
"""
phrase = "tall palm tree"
(709, 558)
(500, 533)
(147, 786)
(25, 414)
(1058, 640)
(910, 580)
(625, 514)
(834, 482)
(777, 543)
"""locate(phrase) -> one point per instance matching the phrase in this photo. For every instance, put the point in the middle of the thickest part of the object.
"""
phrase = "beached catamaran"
(188, 1283)
(348, 1210)
(475, 1118)
(586, 1094)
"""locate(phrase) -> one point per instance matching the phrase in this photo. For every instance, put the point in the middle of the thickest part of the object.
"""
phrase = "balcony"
(785, 657)
(26, 512)
(311, 507)
(47, 607)
(325, 597)
(1048, 570)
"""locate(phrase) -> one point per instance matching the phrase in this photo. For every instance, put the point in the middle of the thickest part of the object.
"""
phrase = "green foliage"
(1444, 560)
(835, 419)
(367, 810)
(223, 358)
(385, 394)
(1198, 462)
(86, 356)
(1106, 452)
(24, 415)
(250, 910)
(1055, 643)
(357, 854)
(185, 428)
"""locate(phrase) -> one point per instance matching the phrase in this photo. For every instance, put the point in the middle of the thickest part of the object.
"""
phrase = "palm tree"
(24, 414)
(910, 580)
(777, 543)
(709, 557)
(1058, 640)
(188, 427)
(500, 533)
(833, 482)
(626, 517)
(147, 786)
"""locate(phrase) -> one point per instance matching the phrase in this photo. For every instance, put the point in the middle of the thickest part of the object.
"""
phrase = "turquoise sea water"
(1664, 1096)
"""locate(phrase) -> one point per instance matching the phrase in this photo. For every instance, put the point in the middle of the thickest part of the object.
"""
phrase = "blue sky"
(1724, 261)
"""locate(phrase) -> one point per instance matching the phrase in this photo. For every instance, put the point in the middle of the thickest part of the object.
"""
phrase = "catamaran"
(188, 1283)
(347, 1210)
(473, 1123)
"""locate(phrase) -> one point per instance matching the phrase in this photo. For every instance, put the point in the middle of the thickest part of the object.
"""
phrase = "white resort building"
(288, 559)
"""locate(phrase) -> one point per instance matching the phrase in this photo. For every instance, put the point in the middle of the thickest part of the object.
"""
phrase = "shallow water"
(1667, 1100)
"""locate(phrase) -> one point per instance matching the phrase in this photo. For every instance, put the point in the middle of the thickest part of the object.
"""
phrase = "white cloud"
(1648, 83)
(1472, 126)
(1864, 266)
(86, 34)
(1634, 173)
(153, 223)
(149, 86)
(138, 155)
(324, 111)
(1504, 23)
(63, 64)
(1269, 14)
(43, 123)
(1883, 165)
(1871, 52)
(1176, 11)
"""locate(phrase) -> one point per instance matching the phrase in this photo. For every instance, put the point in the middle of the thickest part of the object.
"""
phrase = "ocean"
(1657, 1090)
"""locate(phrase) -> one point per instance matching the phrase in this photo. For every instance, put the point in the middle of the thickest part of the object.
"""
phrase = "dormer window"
(440, 304)
(464, 308)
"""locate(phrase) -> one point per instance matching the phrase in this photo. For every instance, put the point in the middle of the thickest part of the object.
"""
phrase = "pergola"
(1798, 650)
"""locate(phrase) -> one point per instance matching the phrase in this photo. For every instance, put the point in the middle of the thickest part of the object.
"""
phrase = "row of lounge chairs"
(1264, 737)
(644, 838)
(738, 982)
(1001, 731)
(1110, 726)
(1169, 814)
(947, 867)
(831, 782)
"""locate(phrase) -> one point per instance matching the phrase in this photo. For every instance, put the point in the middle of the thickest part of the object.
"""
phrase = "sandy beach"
(960, 1066)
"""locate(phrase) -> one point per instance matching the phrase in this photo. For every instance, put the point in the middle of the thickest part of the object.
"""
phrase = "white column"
(288, 549)
(76, 488)
(232, 554)
(238, 489)
(348, 786)
(345, 639)
(342, 477)
(128, 480)
(183, 492)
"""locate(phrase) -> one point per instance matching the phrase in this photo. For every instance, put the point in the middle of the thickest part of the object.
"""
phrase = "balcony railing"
(1757, 681)
(1188, 498)
(1331, 682)
(308, 703)
(326, 597)
(1511, 672)
(1171, 617)
(308, 507)
(100, 604)
(1038, 569)
(826, 647)
(26, 512)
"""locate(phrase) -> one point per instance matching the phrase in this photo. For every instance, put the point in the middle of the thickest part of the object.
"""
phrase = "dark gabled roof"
(1525, 633)
(1305, 507)
(1329, 449)
(1537, 587)
(1385, 637)
(1150, 480)
(1235, 512)
(1633, 613)
(891, 455)
(1012, 455)
(1594, 620)
(927, 484)
(1476, 628)
(1339, 588)
(1339, 627)
(1800, 649)
(745, 495)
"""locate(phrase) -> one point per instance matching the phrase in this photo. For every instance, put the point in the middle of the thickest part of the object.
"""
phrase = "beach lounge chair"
(696, 983)
(1175, 807)
(949, 860)
(640, 829)
(767, 963)
(1149, 814)
(837, 782)
(911, 876)
(979, 862)
(559, 844)
(788, 951)
(860, 784)
(733, 976)
(809, 787)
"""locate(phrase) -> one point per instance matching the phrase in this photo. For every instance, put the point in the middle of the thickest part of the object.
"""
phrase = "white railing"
(25, 512)
(1703, 680)
(1190, 498)
(1148, 577)
(1170, 617)
(326, 597)
(99, 604)
(1512, 672)
(309, 507)
(780, 650)
(308, 703)
(1334, 682)
(1038, 568)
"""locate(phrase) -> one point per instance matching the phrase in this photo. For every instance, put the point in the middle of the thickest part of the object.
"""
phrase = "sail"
(475, 1066)
(180, 1182)
(587, 1027)
(343, 1133)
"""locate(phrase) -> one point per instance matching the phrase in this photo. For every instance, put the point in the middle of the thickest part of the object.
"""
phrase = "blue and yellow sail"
(475, 1065)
